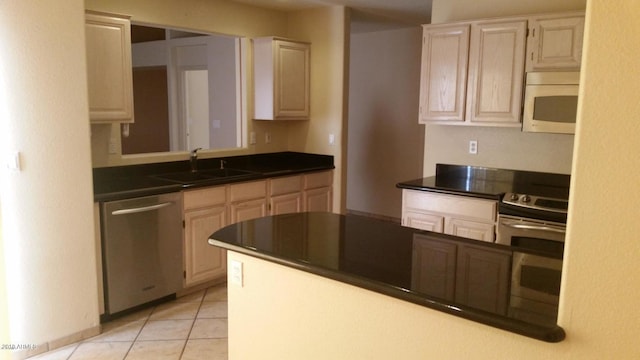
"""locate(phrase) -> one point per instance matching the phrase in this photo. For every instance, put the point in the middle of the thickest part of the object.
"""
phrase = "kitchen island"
(299, 282)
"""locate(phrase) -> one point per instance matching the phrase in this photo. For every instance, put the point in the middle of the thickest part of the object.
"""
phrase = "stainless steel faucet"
(193, 160)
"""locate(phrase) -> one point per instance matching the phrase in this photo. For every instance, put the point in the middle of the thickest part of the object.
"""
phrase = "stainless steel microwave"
(551, 102)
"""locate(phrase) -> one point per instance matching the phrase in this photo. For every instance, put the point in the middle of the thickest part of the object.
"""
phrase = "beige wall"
(326, 29)
(385, 141)
(49, 252)
(598, 301)
(501, 148)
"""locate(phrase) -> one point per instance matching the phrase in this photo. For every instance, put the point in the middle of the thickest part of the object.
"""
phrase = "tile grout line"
(146, 321)
(184, 347)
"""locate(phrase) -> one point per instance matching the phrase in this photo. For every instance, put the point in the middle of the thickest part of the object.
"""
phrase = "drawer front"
(423, 221)
(285, 185)
(459, 206)
(194, 199)
(318, 180)
(247, 191)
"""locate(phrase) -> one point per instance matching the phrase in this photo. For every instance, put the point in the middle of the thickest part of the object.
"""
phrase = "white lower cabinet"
(470, 229)
(318, 193)
(285, 195)
(248, 200)
(205, 211)
(450, 214)
(423, 221)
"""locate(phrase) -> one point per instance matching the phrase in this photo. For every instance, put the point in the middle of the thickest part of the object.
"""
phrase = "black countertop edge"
(409, 186)
(547, 334)
(490, 183)
(129, 181)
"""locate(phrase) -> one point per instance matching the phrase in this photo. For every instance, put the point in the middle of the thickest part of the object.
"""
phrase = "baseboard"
(56, 344)
(199, 287)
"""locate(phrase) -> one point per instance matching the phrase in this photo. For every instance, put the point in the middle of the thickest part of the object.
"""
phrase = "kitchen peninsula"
(301, 277)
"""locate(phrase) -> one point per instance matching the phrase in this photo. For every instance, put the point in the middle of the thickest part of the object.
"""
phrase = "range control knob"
(526, 198)
(514, 197)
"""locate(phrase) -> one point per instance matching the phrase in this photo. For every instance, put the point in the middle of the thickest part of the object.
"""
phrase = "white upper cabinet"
(555, 42)
(281, 79)
(473, 71)
(445, 54)
(496, 73)
(109, 73)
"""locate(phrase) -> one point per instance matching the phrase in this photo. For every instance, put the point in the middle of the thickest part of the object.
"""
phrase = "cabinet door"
(203, 262)
(318, 199)
(496, 72)
(281, 79)
(555, 43)
(443, 78)
(423, 221)
(291, 80)
(248, 210)
(284, 204)
(482, 278)
(109, 72)
(433, 267)
(470, 229)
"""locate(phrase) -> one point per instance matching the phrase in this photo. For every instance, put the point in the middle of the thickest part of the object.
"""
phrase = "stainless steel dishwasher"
(141, 250)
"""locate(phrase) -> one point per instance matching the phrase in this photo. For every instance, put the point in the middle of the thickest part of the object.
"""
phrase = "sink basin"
(188, 177)
(185, 177)
(226, 172)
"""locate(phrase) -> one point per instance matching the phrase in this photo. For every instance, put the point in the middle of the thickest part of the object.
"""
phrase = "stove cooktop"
(536, 202)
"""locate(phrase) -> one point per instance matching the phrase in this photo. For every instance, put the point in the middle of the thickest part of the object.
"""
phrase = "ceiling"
(367, 15)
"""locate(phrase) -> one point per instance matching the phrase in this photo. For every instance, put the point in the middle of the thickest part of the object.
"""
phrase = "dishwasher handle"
(141, 209)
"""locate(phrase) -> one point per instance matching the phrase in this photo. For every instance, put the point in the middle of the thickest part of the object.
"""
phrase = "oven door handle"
(533, 227)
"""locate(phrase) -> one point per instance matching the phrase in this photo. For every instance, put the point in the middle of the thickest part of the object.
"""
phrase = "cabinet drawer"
(470, 229)
(285, 185)
(423, 221)
(460, 206)
(194, 199)
(318, 180)
(247, 191)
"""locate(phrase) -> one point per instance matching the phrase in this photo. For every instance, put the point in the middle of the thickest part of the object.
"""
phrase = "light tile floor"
(191, 327)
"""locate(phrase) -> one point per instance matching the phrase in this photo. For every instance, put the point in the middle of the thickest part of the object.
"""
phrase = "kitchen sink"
(188, 177)
(226, 173)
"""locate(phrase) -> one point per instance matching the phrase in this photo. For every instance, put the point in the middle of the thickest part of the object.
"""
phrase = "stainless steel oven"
(538, 245)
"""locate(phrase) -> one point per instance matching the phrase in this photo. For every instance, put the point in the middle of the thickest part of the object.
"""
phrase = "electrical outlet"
(332, 139)
(473, 147)
(235, 273)
(267, 138)
(252, 138)
(113, 146)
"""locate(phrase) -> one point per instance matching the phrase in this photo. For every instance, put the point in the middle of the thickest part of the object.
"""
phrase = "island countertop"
(382, 257)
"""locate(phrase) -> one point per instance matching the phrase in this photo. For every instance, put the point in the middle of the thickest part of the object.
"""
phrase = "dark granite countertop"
(378, 256)
(123, 182)
(490, 183)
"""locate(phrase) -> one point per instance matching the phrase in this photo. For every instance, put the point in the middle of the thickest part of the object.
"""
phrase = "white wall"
(385, 141)
(501, 148)
(47, 228)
